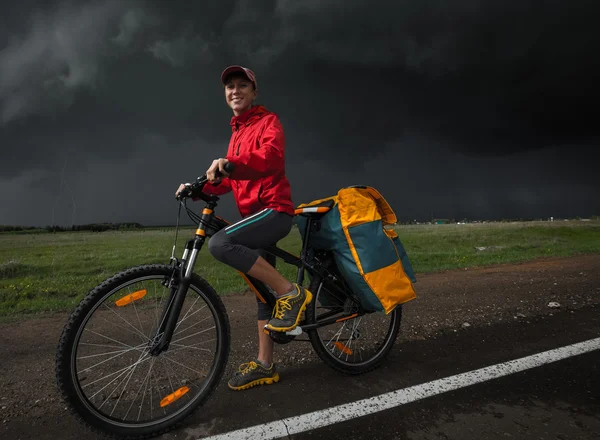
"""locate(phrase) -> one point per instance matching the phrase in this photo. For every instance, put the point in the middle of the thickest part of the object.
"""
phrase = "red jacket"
(256, 148)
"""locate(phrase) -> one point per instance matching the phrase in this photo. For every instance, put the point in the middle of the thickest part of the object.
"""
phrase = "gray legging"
(240, 244)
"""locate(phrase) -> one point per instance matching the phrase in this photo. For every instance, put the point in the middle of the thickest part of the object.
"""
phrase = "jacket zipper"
(238, 149)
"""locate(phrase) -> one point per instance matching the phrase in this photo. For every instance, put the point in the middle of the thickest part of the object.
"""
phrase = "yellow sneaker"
(251, 374)
(289, 310)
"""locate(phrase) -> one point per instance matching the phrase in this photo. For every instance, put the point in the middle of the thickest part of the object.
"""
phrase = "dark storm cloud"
(51, 72)
(507, 74)
(59, 53)
(491, 76)
(182, 49)
(358, 85)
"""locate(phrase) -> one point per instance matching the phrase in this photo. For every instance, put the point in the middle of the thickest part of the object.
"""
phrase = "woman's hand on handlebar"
(217, 170)
(220, 168)
(181, 188)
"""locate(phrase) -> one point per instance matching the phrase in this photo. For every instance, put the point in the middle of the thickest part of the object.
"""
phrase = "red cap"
(232, 69)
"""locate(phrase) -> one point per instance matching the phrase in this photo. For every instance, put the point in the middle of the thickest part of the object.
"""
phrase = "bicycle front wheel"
(352, 346)
(104, 367)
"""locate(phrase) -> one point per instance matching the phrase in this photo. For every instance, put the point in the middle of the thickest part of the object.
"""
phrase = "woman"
(263, 196)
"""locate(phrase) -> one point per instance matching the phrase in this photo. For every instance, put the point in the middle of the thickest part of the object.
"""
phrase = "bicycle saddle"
(316, 210)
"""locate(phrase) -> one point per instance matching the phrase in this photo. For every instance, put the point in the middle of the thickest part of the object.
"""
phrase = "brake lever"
(189, 190)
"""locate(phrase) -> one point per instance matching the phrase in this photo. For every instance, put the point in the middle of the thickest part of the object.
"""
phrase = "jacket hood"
(252, 114)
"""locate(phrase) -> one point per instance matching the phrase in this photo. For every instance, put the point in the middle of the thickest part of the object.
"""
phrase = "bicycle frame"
(184, 269)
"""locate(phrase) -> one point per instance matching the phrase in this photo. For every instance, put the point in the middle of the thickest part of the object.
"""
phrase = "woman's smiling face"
(239, 93)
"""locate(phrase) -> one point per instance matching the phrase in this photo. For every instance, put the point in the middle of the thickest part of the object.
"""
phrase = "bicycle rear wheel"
(351, 346)
(104, 367)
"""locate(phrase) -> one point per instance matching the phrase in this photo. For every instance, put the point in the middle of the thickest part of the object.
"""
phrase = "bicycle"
(145, 348)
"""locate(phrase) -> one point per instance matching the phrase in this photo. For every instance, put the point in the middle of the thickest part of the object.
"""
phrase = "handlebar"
(195, 189)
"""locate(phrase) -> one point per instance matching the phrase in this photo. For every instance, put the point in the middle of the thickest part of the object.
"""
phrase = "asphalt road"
(556, 401)
(560, 400)
(507, 307)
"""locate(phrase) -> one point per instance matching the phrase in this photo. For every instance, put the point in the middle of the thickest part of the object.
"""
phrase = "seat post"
(307, 229)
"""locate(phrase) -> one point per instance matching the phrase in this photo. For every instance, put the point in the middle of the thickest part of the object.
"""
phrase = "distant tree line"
(101, 227)
(498, 220)
(92, 227)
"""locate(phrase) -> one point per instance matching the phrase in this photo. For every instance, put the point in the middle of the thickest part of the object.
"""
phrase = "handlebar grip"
(229, 167)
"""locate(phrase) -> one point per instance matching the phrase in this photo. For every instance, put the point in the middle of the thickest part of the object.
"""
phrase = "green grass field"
(49, 272)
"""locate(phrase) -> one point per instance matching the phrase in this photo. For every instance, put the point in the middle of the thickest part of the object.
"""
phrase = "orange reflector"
(200, 232)
(343, 348)
(173, 396)
(131, 298)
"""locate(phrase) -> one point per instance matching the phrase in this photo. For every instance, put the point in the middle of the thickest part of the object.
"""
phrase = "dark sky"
(477, 109)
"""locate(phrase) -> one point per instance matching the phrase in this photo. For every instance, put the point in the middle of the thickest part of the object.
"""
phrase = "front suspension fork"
(179, 283)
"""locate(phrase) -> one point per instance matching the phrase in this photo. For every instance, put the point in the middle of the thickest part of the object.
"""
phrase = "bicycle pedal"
(297, 331)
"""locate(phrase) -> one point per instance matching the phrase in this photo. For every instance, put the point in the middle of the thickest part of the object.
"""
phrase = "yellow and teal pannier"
(358, 230)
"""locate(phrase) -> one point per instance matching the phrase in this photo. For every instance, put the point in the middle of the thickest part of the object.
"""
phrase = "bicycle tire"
(87, 313)
(327, 351)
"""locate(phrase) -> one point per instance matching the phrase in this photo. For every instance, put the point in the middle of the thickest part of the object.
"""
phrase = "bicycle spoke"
(119, 372)
(136, 314)
(97, 345)
(130, 374)
(143, 384)
(109, 359)
(201, 373)
(188, 315)
(175, 333)
(189, 336)
(124, 373)
(338, 334)
(124, 320)
(164, 364)
(163, 409)
(109, 352)
(128, 377)
(177, 377)
(106, 337)
(349, 345)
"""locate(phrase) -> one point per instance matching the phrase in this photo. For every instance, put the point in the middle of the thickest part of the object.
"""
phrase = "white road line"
(348, 411)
